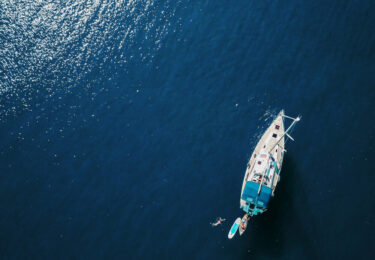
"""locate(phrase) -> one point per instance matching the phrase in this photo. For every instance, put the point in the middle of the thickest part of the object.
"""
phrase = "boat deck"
(260, 160)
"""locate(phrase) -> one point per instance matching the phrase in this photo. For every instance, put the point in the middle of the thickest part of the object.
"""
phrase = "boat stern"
(255, 199)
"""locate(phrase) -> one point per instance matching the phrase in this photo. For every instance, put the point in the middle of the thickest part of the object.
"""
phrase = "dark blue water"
(126, 127)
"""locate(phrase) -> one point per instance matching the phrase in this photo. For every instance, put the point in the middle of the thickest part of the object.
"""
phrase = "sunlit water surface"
(126, 127)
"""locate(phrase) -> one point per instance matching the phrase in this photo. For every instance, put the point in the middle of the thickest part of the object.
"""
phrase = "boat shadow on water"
(281, 231)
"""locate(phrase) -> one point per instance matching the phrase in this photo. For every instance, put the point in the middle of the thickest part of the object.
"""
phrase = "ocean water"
(126, 127)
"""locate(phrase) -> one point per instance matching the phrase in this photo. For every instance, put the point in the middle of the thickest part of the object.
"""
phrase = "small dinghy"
(263, 169)
(243, 224)
(234, 228)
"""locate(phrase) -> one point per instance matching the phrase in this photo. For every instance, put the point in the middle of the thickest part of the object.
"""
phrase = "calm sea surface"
(126, 126)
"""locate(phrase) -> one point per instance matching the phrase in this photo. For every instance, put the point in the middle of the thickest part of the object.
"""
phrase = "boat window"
(274, 135)
(277, 127)
(259, 162)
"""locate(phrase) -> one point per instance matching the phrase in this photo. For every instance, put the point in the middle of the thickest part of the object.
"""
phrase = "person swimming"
(219, 220)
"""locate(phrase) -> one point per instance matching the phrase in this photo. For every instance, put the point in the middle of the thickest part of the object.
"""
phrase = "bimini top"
(250, 194)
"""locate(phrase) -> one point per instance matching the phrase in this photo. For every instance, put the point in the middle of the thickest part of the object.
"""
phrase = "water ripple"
(51, 47)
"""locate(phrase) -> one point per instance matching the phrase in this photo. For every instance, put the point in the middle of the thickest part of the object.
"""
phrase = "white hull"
(260, 159)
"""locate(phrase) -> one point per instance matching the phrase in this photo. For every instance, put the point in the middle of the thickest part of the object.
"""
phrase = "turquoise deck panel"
(250, 194)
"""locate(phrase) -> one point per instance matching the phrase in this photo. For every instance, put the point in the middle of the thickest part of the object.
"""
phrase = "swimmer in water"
(218, 222)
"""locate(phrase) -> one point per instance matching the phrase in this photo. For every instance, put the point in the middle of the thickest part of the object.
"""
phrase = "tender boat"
(263, 169)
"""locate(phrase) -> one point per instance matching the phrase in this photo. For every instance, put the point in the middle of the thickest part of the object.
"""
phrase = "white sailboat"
(263, 169)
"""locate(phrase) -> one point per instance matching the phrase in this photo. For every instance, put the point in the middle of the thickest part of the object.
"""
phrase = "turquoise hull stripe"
(276, 168)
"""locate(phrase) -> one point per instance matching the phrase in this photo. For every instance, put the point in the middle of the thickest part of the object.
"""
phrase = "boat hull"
(263, 169)
(234, 228)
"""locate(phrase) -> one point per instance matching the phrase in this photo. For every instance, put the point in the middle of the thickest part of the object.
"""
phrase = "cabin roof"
(250, 194)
